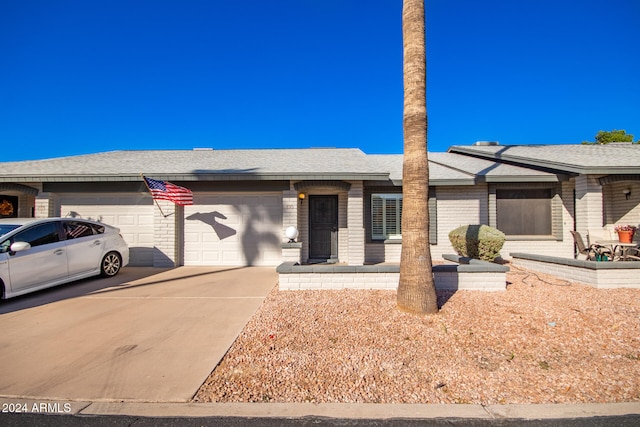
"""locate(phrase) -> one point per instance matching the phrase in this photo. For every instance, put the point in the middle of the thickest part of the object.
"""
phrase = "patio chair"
(593, 252)
(632, 254)
(595, 234)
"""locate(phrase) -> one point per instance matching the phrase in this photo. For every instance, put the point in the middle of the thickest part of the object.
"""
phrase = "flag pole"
(154, 199)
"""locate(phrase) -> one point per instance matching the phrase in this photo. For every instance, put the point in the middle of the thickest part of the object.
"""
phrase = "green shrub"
(477, 241)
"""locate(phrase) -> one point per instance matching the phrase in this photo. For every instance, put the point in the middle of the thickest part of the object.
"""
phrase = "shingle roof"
(491, 171)
(457, 169)
(438, 174)
(275, 164)
(614, 158)
(188, 165)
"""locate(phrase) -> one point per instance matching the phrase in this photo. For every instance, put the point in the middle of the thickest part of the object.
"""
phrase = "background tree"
(416, 290)
(605, 137)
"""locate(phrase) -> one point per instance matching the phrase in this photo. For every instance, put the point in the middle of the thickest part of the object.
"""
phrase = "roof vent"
(487, 143)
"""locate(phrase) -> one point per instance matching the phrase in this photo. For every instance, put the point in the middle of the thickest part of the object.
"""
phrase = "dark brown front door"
(323, 227)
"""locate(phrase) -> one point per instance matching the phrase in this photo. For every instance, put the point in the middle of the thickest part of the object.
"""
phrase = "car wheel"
(111, 264)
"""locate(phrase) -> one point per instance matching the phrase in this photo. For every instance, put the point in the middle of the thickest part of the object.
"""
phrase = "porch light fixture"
(291, 233)
(627, 193)
(301, 196)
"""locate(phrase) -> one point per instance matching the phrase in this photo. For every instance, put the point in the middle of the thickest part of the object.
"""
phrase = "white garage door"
(132, 214)
(223, 229)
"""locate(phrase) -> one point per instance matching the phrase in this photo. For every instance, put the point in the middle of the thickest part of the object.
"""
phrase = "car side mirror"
(19, 246)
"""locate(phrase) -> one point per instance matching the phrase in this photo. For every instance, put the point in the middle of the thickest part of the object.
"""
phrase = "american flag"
(76, 230)
(162, 190)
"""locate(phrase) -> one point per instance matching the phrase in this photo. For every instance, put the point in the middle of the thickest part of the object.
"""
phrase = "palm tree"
(416, 290)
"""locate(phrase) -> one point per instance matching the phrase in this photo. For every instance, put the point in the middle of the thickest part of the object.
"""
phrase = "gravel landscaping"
(544, 340)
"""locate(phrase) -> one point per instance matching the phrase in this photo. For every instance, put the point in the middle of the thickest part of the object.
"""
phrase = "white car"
(40, 253)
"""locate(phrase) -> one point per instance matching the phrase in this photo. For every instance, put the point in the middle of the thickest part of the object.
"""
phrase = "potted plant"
(625, 232)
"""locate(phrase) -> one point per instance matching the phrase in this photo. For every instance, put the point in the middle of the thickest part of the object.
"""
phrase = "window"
(524, 212)
(8, 206)
(76, 229)
(386, 214)
(383, 215)
(41, 234)
(5, 228)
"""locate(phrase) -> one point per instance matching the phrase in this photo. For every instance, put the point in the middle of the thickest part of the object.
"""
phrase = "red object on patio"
(625, 236)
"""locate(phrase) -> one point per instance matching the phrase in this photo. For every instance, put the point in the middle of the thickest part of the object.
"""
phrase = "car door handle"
(58, 252)
(97, 242)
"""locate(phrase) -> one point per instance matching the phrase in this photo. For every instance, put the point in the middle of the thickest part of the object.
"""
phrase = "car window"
(40, 234)
(76, 229)
(5, 228)
(4, 246)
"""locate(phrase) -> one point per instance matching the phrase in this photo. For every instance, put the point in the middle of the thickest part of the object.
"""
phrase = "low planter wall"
(604, 274)
(463, 274)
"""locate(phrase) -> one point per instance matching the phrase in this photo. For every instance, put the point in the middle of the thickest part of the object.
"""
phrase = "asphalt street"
(19, 420)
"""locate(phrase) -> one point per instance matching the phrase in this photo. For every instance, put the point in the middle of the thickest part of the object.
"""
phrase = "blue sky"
(88, 76)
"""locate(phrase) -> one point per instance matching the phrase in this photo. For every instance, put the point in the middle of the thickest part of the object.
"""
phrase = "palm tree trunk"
(416, 290)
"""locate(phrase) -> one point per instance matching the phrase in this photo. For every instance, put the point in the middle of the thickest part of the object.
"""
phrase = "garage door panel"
(191, 237)
(127, 220)
(232, 219)
(211, 257)
(145, 239)
(232, 257)
(210, 237)
(233, 229)
(146, 219)
(108, 219)
(133, 215)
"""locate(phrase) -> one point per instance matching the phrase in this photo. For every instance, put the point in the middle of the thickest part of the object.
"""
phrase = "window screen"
(524, 211)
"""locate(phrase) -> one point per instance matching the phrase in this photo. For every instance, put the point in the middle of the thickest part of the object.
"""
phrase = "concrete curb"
(289, 410)
(326, 410)
(363, 410)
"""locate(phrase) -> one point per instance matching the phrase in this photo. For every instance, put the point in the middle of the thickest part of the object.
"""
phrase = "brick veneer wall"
(167, 240)
(605, 275)
(470, 275)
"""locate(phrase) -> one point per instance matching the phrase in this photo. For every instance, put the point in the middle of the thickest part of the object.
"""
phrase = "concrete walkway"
(145, 335)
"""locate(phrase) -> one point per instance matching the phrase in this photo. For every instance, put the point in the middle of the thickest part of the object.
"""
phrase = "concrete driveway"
(147, 334)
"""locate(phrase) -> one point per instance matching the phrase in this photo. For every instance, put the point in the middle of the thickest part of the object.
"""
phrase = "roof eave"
(557, 166)
(442, 182)
(627, 170)
(198, 177)
(536, 178)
